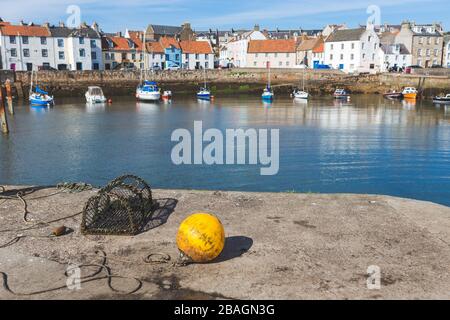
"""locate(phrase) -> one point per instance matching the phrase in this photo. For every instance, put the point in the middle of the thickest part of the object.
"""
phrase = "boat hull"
(441, 100)
(343, 96)
(301, 95)
(410, 96)
(148, 96)
(35, 101)
(393, 95)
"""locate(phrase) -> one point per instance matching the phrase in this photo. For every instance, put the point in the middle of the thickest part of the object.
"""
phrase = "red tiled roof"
(136, 36)
(30, 31)
(200, 47)
(167, 42)
(154, 47)
(320, 48)
(271, 46)
(120, 44)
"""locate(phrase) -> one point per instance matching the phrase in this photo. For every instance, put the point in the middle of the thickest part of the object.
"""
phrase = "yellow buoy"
(201, 237)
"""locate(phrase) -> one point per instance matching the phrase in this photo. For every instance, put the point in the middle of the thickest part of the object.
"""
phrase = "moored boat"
(167, 95)
(148, 91)
(341, 94)
(204, 93)
(301, 94)
(39, 97)
(95, 95)
(410, 93)
(267, 94)
(393, 95)
(441, 99)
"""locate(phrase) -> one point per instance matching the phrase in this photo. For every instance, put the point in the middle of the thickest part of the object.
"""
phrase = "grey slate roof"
(166, 30)
(388, 49)
(346, 35)
(64, 32)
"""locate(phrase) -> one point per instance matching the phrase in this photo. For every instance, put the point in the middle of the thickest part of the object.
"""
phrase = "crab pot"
(118, 209)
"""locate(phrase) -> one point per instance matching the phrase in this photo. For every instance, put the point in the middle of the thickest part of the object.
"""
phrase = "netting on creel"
(120, 208)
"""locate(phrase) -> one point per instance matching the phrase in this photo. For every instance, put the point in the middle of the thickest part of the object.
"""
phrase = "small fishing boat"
(393, 95)
(167, 95)
(301, 94)
(341, 94)
(37, 96)
(410, 93)
(148, 91)
(267, 94)
(441, 99)
(204, 93)
(95, 95)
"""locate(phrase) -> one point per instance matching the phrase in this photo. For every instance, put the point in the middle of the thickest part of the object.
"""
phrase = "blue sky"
(117, 15)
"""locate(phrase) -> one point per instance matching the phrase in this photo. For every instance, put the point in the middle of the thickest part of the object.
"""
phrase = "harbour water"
(368, 145)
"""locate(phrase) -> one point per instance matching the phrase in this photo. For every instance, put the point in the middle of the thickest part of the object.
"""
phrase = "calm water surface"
(368, 145)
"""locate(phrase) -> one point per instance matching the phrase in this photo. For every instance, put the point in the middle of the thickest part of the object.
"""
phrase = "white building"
(155, 58)
(31, 47)
(197, 55)
(394, 55)
(77, 49)
(279, 53)
(235, 51)
(353, 50)
(446, 62)
(25, 47)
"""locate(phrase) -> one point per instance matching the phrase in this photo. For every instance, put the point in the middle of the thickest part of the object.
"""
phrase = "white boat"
(37, 96)
(204, 93)
(445, 99)
(410, 93)
(95, 95)
(267, 94)
(167, 95)
(148, 91)
(341, 94)
(301, 94)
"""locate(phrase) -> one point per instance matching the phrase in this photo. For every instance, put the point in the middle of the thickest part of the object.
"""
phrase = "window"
(287, 55)
(61, 55)
(420, 40)
(267, 55)
(375, 46)
(342, 46)
(60, 43)
(133, 56)
(113, 56)
(95, 66)
(25, 40)
(419, 62)
(429, 40)
(364, 56)
(353, 46)
(352, 57)
(13, 52)
(280, 63)
(332, 46)
(206, 56)
(186, 56)
(436, 51)
(44, 53)
(373, 56)
(82, 53)
(12, 39)
(107, 56)
(94, 55)
(93, 44)
(437, 40)
(43, 41)
(197, 56)
(419, 52)
(177, 57)
(81, 40)
(435, 62)
(254, 63)
(26, 53)
(428, 52)
(342, 57)
(256, 55)
(362, 45)
(331, 57)
(287, 63)
(370, 38)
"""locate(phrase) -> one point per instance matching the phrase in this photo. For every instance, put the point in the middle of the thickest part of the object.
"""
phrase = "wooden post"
(9, 97)
(3, 120)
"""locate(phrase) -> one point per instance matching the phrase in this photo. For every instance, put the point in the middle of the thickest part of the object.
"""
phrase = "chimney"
(61, 24)
(256, 28)
(95, 26)
(21, 23)
(119, 34)
(46, 25)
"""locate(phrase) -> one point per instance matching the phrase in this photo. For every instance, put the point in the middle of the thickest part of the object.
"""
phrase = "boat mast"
(303, 81)
(143, 53)
(269, 77)
(205, 76)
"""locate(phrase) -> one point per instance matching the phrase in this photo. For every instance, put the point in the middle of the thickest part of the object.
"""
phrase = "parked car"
(174, 67)
(300, 66)
(47, 68)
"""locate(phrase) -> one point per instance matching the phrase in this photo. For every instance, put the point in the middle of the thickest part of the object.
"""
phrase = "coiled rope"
(102, 267)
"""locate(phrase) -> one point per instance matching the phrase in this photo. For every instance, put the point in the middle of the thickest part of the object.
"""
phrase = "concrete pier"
(279, 246)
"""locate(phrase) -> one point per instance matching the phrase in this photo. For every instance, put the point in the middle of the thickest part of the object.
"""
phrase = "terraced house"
(277, 53)
(33, 47)
(353, 50)
(121, 52)
(447, 51)
(197, 55)
(424, 41)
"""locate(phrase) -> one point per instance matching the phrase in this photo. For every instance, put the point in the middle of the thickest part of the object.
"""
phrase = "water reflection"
(366, 145)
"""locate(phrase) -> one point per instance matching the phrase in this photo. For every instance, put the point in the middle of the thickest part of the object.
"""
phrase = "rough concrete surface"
(279, 246)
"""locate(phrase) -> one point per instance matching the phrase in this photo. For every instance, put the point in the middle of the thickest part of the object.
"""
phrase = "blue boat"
(204, 94)
(267, 94)
(40, 98)
(148, 91)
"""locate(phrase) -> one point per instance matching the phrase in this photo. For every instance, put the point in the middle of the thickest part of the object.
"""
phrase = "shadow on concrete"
(25, 191)
(160, 213)
(234, 248)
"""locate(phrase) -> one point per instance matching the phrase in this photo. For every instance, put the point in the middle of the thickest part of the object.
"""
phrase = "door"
(316, 64)
(79, 66)
(13, 67)
(29, 67)
(341, 67)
